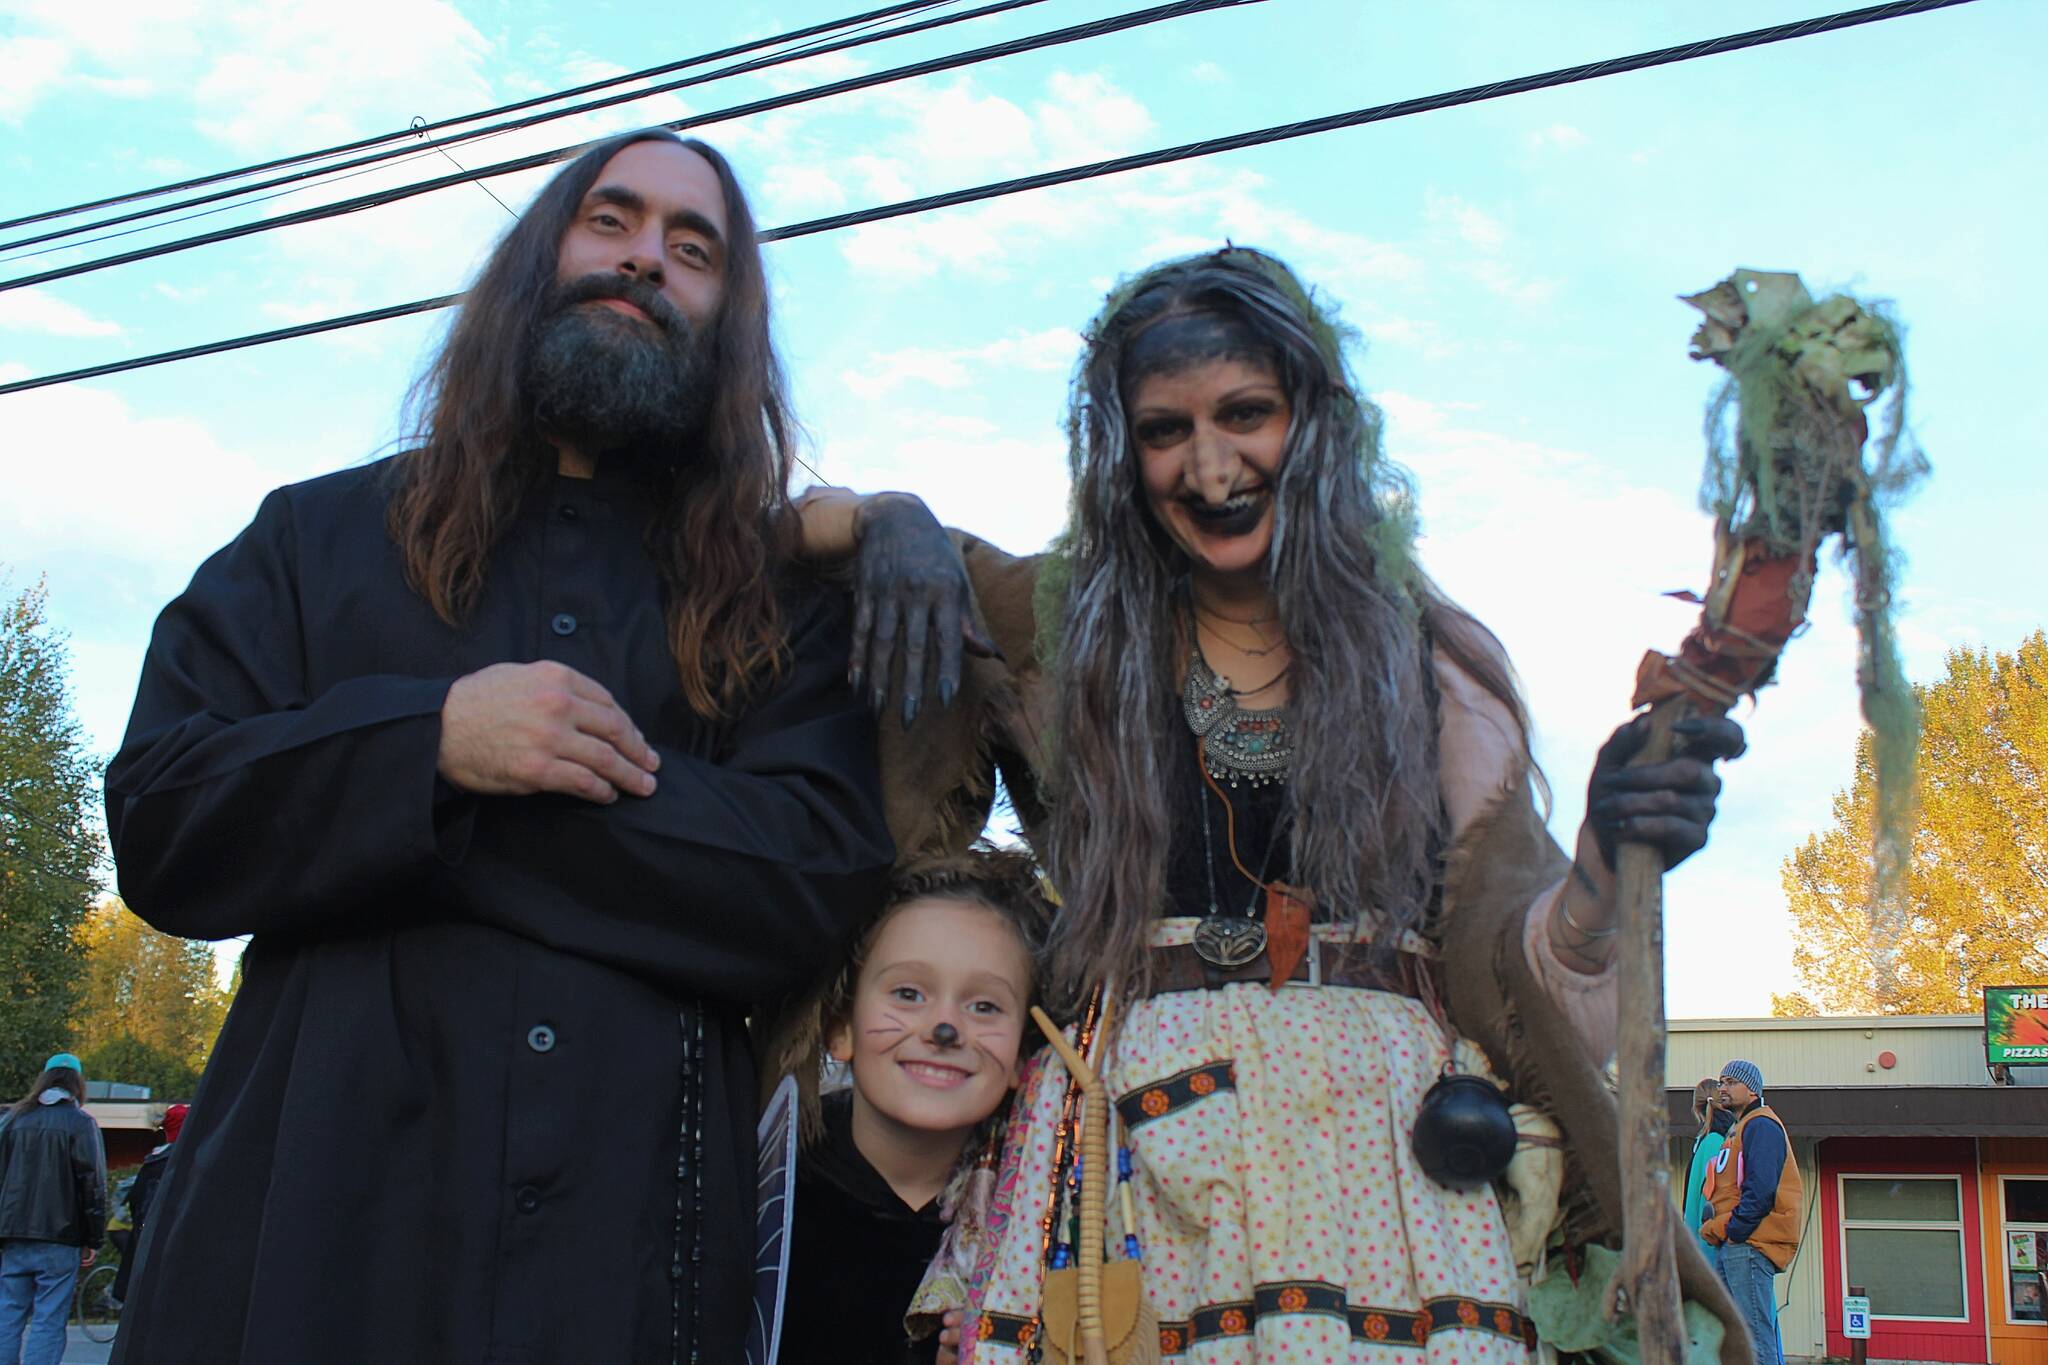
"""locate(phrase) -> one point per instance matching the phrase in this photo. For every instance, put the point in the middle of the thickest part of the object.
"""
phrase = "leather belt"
(1364, 966)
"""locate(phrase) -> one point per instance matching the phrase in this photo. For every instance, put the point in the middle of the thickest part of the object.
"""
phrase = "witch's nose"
(1213, 465)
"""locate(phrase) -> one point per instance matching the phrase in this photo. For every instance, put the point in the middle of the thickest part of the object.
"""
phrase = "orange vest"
(1777, 1236)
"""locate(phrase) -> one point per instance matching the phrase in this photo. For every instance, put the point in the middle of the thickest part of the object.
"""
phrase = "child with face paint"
(929, 1016)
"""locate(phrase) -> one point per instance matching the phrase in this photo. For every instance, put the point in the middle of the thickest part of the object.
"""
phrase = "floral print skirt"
(1281, 1212)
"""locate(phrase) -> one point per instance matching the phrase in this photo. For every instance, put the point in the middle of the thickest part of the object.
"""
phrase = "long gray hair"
(1359, 617)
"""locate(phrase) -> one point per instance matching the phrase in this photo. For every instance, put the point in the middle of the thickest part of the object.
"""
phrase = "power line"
(971, 57)
(39, 869)
(360, 143)
(251, 195)
(96, 852)
(1186, 151)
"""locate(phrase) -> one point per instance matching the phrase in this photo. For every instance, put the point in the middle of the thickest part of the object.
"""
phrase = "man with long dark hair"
(531, 767)
(53, 1209)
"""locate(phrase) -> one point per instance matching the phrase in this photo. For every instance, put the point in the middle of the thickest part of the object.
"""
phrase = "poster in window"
(2026, 1296)
(2020, 1251)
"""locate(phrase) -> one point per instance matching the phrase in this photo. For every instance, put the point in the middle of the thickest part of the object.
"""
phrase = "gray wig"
(1359, 618)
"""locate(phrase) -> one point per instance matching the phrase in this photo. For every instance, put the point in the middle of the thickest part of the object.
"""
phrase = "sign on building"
(2016, 1025)
(1856, 1318)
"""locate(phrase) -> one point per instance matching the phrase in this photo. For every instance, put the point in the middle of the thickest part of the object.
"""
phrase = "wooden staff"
(1803, 373)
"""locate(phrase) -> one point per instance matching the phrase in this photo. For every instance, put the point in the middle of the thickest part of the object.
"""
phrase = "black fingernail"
(946, 690)
(853, 677)
(909, 711)
(877, 700)
(1691, 725)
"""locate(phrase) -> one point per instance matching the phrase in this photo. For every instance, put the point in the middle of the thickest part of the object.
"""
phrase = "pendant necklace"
(1233, 940)
(1240, 745)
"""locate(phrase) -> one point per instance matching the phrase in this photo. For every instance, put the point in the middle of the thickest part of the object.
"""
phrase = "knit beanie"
(174, 1120)
(1747, 1073)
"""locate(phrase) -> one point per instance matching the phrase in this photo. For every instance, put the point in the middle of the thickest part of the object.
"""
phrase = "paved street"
(79, 1351)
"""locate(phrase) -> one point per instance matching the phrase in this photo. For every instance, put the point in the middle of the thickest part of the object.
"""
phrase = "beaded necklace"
(1241, 746)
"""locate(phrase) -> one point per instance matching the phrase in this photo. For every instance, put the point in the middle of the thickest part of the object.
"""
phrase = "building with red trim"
(1926, 1180)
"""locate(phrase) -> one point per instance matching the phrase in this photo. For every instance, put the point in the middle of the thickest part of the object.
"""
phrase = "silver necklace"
(1241, 745)
(1231, 941)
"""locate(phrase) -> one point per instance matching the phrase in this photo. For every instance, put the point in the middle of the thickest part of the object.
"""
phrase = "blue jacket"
(1763, 1165)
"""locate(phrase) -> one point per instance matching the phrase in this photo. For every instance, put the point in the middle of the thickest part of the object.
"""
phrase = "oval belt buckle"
(1229, 943)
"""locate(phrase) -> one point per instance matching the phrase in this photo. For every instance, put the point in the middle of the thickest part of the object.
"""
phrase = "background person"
(53, 1209)
(1714, 1123)
(1757, 1195)
(143, 1192)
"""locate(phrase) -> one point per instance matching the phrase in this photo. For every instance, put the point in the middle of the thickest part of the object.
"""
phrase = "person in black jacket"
(53, 1209)
(526, 757)
(143, 1191)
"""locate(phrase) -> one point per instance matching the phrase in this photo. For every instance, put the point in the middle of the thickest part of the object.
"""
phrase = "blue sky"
(1512, 267)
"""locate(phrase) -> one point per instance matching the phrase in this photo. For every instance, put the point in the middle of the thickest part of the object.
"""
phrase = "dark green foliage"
(50, 843)
(169, 1078)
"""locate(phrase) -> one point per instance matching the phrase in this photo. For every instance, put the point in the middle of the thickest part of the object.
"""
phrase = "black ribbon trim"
(1161, 1098)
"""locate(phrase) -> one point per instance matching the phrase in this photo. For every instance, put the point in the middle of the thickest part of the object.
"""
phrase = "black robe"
(447, 1121)
(857, 1254)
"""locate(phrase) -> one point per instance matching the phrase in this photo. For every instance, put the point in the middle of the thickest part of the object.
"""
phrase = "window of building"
(1902, 1240)
(2024, 1206)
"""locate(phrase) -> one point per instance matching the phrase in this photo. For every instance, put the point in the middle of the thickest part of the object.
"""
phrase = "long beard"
(605, 381)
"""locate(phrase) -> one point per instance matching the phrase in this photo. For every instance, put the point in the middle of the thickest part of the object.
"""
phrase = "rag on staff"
(1790, 465)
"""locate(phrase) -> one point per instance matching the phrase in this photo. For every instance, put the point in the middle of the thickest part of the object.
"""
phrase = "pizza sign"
(2016, 1025)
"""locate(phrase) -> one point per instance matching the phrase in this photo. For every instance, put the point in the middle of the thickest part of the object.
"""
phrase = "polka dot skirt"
(1282, 1213)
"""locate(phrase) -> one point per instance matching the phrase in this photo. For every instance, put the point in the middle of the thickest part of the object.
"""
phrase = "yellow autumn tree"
(1976, 892)
(149, 1007)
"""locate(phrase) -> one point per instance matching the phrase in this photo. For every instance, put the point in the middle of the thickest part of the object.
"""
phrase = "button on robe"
(446, 1117)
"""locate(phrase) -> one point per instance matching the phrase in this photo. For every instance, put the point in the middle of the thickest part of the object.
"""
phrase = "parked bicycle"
(96, 1310)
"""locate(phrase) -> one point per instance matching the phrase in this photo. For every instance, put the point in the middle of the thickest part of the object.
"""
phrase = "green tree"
(146, 988)
(50, 847)
(133, 1062)
(1976, 894)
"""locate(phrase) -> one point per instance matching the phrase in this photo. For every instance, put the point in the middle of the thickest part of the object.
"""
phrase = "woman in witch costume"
(1284, 787)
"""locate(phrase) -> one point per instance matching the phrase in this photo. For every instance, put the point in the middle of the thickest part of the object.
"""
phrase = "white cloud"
(1488, 260)
(259, 77)
(1561, 136)
(147, 519)
(1474, 227)
(33, 310)
(1505, 281)
(29, 67)
(882, 177)
(956, 131)
(1568, 563)
(1086, 118)
(1178, 209)
(1419, 335)
(1208, 73)
(793, 187)
(1051, 350)
(953, 462)
(822, 69)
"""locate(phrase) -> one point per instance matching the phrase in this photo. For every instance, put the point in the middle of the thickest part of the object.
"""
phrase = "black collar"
(836, 1160)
